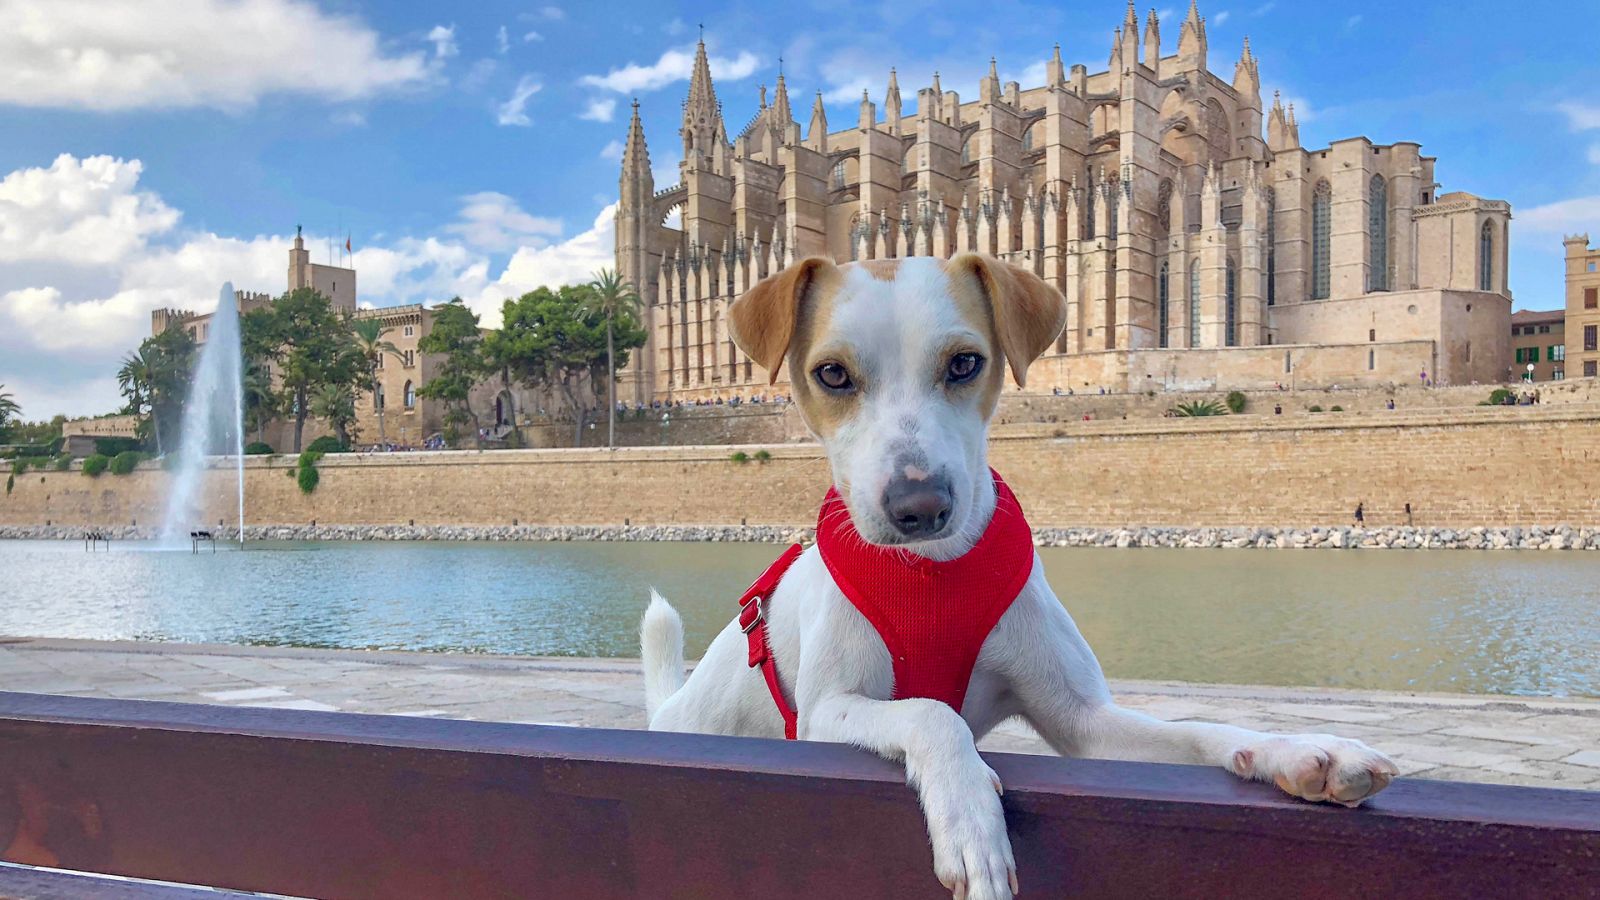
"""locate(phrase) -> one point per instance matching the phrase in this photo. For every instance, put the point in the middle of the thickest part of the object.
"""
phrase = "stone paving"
(1515, 740)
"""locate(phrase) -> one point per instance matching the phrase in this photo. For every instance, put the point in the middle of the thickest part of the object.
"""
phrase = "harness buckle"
(753, 605)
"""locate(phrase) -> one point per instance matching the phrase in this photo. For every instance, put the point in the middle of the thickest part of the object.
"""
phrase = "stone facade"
(1583, 308)
(1174, 210)
(1538, 339)
(1457, 469)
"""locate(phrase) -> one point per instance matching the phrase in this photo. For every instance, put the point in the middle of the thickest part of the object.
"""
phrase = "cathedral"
(1199, 245)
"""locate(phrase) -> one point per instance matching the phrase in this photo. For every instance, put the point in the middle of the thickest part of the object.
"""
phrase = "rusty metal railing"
(350, 806)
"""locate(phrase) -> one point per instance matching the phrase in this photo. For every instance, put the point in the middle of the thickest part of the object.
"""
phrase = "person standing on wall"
(1361, 514)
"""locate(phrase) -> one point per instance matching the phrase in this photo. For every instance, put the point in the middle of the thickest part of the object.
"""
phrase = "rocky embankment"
(1560, 537)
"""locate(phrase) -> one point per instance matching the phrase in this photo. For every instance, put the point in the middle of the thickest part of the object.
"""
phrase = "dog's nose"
(920, 508)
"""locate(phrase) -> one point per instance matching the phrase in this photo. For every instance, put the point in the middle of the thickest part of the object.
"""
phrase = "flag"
(347, 244)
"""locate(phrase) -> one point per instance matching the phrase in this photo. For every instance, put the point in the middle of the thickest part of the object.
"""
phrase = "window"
(1372, 334)
(1589, 337)
(1556, 353)
(1272, 247)
(1163, 302)
(409, 358)
(1088, 225)
(1486, 257)
(838, 175)
(1591, 296)
(409, 331)
(966, 152)
(1372, 360)
(1231, 314)
(1321, 240)
(410, 396)
(377, 397)
(1588, 369)
(1591, 267)
(1027, 139)
(1194, 303)
(1378, 233)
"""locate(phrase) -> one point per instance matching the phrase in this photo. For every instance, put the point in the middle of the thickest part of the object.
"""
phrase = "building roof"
(1539, 317)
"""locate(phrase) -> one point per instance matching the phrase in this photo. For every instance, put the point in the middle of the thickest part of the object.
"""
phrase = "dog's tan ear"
(1028, 313)
(763, 320)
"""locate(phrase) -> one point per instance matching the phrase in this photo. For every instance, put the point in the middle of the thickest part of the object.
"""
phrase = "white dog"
(897, 366)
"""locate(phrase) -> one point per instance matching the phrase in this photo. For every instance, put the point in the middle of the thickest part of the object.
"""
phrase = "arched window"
(410, 396)
(1321, 240)
(838, 175)
(1486, 257)
(1378, 233)
(1272, 247)
(966, 151)
(377, 395)
(1027, 139)
(1231, 312)
(1194, 303)
(1163, 302)
(1088, 208)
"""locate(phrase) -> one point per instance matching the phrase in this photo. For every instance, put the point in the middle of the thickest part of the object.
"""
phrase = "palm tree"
(260, 401)
(337, 404)
(136, 379)
(372, 347)
(613, 296)
(9, 408)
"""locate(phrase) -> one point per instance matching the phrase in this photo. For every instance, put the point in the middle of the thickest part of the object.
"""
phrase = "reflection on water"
(1507, 622)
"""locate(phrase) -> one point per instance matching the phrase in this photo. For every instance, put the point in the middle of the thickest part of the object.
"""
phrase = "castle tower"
(299, 263)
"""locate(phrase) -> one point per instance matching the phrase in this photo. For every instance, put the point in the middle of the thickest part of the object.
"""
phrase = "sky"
(151, 151)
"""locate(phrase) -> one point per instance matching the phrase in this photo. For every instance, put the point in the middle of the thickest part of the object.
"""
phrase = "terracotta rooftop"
(1539, 317)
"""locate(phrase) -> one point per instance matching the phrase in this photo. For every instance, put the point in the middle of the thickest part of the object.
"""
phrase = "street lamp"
(1530, 373)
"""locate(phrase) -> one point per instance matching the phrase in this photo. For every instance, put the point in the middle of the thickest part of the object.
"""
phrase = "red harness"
(933, 617)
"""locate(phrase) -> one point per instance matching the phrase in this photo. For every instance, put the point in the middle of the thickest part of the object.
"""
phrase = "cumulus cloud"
(444, 41)
(1580, 116)
(514, 110)
(674, 65)
(599, 110)
(1576, 214)
(532, 36)
(490, 220)
(86, 255)
(163, 54)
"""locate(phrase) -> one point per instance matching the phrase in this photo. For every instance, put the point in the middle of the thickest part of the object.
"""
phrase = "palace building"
(1199, 245)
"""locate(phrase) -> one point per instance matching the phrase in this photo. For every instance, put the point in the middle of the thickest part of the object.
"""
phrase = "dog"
(897, 366)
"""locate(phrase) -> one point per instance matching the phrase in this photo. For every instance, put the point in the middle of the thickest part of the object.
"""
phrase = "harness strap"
(753, 621)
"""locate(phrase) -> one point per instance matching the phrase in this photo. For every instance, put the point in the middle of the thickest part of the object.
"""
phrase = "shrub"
(95, 464)
(762, 456)
(326, 444)
(1314, 408)
(115, 446)
(63, 463)
(740, 457)
(308, 459)
(1236, 402)
(307, 478)
(1337, 409)
(1198, 408)
(258, 448)
(126, 462)
(1497, 397)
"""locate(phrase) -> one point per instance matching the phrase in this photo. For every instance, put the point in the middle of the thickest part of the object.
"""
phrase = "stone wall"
(1489, 467)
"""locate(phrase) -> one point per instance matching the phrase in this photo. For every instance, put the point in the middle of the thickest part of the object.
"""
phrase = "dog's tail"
(661, 648)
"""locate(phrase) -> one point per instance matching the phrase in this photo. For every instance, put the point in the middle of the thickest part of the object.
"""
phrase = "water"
(1504, 623)
(213, 423)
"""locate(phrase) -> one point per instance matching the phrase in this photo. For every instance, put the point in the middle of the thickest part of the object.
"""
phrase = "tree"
(260, 401)
(613, 298)
(310, 342)
(368, 335)
(455, 336)
(556, 340)
(9, 409)
(155, 379)
(336, 404)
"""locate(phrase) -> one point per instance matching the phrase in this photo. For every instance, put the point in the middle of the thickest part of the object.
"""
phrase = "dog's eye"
(834, 377)
(963, 368)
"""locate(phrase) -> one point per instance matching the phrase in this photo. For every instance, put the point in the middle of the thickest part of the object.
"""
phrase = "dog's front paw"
(1317, 767)
(971, 851)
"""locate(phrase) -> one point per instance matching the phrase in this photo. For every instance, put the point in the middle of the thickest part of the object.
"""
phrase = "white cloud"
(1219, 18)
(85, 211)
(599, 110)
(479, 74)
(1594, 154)
(532, 36)
(156, 54)
(674, 65)
(514, 110)
(1263, 9)
(492, 221)
(350, 118)
(1351, 23)
(553, 13)
(502, 40)
(444, 41)
(612, 151)
(675, 27)
(85, 256)
(1577, 214)
(1580, 116)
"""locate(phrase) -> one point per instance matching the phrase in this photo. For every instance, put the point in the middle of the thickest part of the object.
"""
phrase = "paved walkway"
(1471, 738)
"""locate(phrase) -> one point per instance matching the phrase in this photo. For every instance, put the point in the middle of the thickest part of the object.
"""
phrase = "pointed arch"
(1378, 234)
(1163, 305)
(1486, 257)
(1321, 240)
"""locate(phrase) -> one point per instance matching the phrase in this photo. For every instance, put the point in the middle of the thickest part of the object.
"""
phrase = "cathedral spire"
(1192, 39)
(1130, 36)
(989, 88)
(702, 114)
(635, 155)
(1152, 41)
(817, 134)
(702, 94)
(868, 115)
(891, 104)
(1055, 72)
(1247, 76)
(780, 102)
(1115, 61)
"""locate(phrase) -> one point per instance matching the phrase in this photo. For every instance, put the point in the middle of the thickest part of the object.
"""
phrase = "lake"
(1478, 622)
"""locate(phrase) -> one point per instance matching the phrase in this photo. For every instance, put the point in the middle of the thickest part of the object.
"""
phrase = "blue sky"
(149, 151)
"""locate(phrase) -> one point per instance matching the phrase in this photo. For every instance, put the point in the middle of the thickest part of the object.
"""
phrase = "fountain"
(213, 424)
